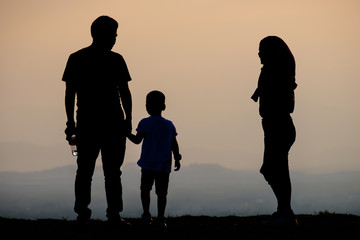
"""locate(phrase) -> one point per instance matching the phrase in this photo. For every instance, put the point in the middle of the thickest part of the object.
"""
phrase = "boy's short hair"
(155, 99)
(103, 25)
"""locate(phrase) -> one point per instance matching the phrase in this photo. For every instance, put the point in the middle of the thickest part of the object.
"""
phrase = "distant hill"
(200, 189)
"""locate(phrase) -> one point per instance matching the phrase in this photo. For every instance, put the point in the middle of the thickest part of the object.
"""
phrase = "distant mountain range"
(199, 189)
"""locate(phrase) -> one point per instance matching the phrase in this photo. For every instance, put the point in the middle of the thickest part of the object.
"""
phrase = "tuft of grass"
(325, 213)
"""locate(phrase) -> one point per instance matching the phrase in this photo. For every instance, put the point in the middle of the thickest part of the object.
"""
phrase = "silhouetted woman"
(276, 92)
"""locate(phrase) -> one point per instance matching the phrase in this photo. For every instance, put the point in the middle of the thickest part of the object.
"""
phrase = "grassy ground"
(319, 226)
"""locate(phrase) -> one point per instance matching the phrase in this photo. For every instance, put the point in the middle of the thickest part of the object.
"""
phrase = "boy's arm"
(137, 139)
(177, 155)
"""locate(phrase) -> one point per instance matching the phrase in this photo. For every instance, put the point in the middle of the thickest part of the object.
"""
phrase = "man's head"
(104, 32)
(155, 103)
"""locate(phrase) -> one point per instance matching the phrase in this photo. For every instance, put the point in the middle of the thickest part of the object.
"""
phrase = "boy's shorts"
(161, 180)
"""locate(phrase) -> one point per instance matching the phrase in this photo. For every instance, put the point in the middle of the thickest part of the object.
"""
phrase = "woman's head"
(274, 51)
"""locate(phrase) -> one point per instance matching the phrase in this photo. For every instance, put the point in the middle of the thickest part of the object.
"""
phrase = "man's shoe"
(118, 222)
(83, 217)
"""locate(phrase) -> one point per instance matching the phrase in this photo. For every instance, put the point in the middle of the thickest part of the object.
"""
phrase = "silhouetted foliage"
(319, 226)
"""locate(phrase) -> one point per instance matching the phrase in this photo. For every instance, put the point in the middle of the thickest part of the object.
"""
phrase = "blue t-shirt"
(156, 148)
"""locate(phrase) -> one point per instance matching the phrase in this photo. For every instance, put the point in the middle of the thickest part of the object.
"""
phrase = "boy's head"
(155, 103)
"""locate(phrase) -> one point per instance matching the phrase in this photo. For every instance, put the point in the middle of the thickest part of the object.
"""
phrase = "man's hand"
(70, 131)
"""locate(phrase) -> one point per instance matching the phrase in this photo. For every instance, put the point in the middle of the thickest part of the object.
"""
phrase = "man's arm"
(70, 94)
(126, 100)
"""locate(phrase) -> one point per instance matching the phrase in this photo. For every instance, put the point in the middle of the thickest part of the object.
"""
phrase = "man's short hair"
(103, 25)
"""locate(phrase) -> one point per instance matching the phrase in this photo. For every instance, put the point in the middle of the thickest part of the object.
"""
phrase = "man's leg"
(113, 153)
(88, 154)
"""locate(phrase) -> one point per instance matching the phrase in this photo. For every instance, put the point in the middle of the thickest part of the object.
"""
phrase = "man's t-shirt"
(157, 144)
(96, 77)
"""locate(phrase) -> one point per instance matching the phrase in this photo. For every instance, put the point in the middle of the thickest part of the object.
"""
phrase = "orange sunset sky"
(203, 55)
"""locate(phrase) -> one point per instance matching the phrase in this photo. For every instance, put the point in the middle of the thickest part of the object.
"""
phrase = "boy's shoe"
(146, 219)
(161, 223)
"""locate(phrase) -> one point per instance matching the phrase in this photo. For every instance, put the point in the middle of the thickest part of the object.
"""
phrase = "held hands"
(177, 158)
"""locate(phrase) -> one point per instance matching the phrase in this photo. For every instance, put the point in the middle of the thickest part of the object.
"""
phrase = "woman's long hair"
(277, 58)
(275, 52)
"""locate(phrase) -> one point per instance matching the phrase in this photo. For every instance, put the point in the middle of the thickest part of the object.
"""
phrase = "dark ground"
(319, 226)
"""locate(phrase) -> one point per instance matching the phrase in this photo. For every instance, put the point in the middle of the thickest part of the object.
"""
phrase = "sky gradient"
(203, 55)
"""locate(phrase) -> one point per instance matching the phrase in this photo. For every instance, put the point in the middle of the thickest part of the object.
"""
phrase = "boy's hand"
(177, 165)
(177, 158)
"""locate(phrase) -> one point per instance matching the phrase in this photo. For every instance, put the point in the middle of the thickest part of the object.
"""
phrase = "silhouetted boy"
(159, 141)
(98, 79)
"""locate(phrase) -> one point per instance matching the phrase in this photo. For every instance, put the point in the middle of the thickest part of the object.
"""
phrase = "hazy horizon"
(219, 192)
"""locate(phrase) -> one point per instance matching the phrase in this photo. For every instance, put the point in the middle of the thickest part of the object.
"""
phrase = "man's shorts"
(161, 179)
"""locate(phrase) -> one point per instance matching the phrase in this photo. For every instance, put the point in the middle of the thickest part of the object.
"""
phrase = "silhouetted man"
(98, 78)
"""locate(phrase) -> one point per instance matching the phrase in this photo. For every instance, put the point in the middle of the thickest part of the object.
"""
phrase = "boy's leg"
(161, 185)
(145, 201)
(161, 205)
(147, 181)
